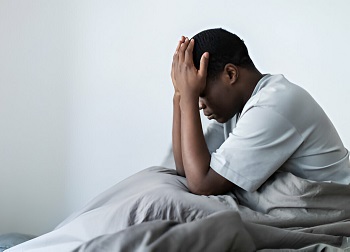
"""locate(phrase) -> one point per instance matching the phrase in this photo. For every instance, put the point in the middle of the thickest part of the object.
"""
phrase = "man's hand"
(182, 40)
(187, 80)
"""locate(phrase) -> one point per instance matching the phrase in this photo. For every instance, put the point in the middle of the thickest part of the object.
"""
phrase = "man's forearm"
(195, 153)
(176, 135)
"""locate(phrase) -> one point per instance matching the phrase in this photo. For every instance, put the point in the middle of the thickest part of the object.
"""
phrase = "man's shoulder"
(275, 91)
(275, 94)
(278, 84)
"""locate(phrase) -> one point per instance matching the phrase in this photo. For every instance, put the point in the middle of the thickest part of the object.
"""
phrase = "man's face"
(220, 100)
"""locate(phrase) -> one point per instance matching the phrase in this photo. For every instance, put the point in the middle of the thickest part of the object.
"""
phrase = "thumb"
(203, 65)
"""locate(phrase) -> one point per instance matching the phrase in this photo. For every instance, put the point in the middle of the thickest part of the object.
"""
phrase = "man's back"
(280, 127)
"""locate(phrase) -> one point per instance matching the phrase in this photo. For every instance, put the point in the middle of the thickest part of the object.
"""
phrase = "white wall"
(85, 89)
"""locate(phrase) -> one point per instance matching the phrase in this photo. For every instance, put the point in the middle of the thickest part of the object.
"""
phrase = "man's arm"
(176, 135)
(195, 154)
(190, 82)
(176, 131)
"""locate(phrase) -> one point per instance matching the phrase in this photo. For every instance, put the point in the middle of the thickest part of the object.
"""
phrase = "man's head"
(223, 47)
(231, 74)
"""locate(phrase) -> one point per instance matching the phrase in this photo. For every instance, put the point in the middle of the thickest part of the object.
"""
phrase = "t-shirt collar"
(259, 85)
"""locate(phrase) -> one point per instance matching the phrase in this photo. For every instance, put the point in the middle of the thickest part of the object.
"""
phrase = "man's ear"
(232, 73)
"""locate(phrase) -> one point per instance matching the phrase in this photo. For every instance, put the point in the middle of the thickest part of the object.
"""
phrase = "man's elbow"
(181, 173)
(209, 186)
(200, 190)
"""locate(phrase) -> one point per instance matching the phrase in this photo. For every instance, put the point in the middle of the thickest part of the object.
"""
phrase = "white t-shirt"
(281, 127)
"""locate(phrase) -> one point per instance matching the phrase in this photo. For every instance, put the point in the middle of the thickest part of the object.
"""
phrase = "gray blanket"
(154, 211)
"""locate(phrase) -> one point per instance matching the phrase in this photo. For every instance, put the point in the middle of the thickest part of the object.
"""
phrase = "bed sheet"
(154, 211)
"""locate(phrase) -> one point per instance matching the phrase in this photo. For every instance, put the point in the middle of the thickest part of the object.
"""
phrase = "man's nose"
(201, 104)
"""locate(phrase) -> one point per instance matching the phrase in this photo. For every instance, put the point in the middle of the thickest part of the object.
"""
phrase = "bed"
(154, 211)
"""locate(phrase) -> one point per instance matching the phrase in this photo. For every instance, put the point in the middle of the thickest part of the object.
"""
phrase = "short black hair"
(224, 47)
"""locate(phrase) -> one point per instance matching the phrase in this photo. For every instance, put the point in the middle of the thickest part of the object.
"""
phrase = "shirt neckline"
(259, 84)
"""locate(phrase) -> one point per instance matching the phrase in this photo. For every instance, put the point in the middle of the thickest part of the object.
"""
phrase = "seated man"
(265, 123)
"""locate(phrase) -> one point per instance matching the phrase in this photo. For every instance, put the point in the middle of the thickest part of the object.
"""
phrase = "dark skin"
(220, 99)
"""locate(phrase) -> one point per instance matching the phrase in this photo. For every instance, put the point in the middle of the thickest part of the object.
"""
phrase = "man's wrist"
(189, 101)
(176, 94)
(176, 97)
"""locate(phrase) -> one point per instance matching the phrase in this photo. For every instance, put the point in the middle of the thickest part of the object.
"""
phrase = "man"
(265, 124)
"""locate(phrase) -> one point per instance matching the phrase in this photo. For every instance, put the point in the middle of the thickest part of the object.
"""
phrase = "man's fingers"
(189, 51)
(176, 54)
(182, 39)
(203, 65)
(182, 49)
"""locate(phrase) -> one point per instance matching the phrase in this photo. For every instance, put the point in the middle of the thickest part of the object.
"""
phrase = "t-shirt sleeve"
(214, 136)
(261, 142)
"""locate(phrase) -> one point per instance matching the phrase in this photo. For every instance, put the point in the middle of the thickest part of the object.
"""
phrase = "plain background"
(86, 94)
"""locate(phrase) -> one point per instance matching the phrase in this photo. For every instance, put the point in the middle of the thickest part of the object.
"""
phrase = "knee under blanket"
(154, 211)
